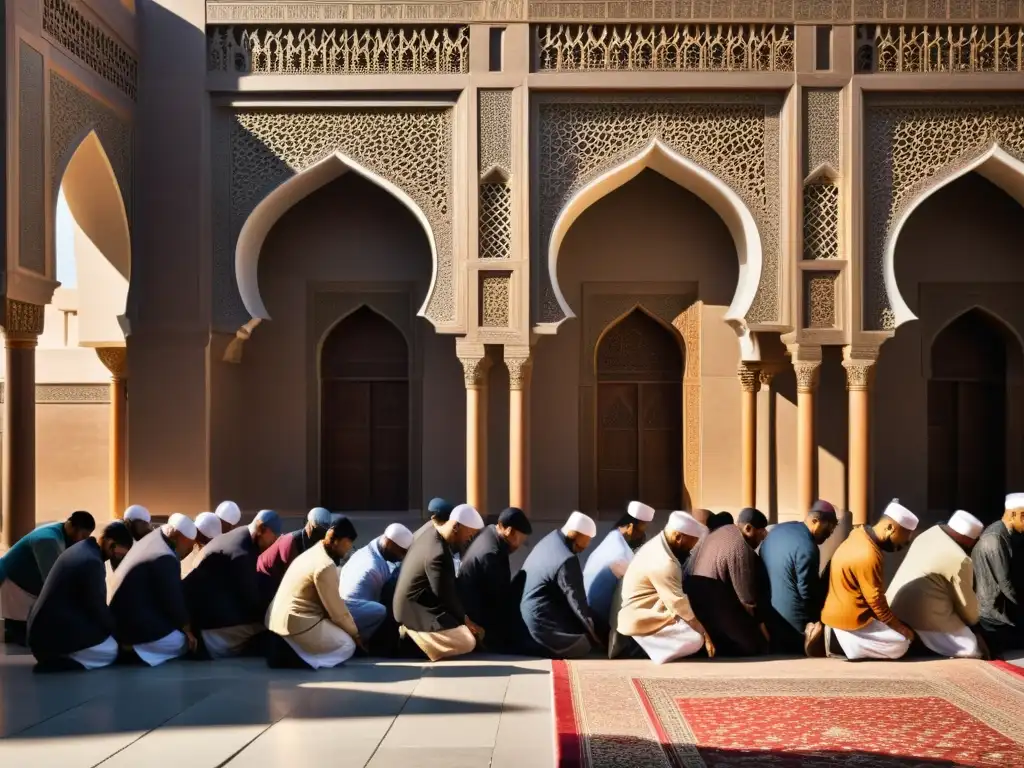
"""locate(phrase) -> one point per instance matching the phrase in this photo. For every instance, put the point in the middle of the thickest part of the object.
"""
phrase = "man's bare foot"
(814, 640)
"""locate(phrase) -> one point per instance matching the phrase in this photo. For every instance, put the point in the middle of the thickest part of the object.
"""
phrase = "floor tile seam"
(394, 719)
(76, 705)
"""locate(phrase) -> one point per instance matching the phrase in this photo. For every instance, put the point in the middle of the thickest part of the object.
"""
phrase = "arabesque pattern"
(946, 48)
(820, 300)
(495, 291)
(822, 130)
(71, 30)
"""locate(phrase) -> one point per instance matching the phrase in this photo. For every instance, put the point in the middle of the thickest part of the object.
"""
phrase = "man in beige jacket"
(655, 612)
(308, 612)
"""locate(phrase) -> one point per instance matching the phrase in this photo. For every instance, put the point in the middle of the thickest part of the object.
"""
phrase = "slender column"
(858, 387)
(518, 417)
(476, 369)
(806, 385)
(116, 361)
(22, 325)
(750, 383)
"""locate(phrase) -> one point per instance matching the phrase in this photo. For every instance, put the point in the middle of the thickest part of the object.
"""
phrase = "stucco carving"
(495, 233)
(410, 147)
(518, 371)
(73, 113)
(858, 374)
(750, 378)
(338, 50)
(806, 374)
(494, 299)
(31, 160)
(820, 300)
(822, 129)
(945, 48)
(114, 359)
(821, 221)
(22, 319)
(736, 138)
(474, 371)
(913, 145)
(494, 131)
(66, 26)
(69, 393)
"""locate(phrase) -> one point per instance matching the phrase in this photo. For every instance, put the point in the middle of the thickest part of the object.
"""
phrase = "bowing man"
(999, 578)
(858, 620)
(208, 527)
(933, 590)
(307, 612)
(426, 600)
(138, 520)
(366, 574)
(70, 625)
(554, 603)
(24, 568)
(224, 594)
(276, 558)
(230, 515)
(607, 564)
(655, 611)
(147, 598)
(440, 510)
(485, 580)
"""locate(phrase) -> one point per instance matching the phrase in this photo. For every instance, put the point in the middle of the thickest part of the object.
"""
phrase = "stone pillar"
(116, 361)
(22, 325)
(518, 430)
(859, 372)
(476, 367)
(806, 444)
(750, 383)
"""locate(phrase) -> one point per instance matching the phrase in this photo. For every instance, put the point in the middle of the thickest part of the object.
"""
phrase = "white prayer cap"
(466, 515)
(900, 515)
(966, 524)
(580, 523)
(399, 534)
(229, 512)
(1014, 501)
(640, 511)
(182, 525)
(135, 512)
(208, 524)
(686, 523)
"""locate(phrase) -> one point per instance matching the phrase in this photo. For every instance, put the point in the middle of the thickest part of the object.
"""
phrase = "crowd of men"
(211, 588)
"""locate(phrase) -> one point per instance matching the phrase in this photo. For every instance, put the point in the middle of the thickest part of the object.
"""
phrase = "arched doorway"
(968, 415)
(639, 366)
(364, 415)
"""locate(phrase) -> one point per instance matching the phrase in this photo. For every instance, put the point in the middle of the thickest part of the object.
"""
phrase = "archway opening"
(639, 372)
(364, 411)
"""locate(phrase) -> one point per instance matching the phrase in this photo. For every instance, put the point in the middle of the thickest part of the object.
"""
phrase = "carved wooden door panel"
(346, 440)
(980, 451)
(617, 454)
(660, 442)
(390, 446)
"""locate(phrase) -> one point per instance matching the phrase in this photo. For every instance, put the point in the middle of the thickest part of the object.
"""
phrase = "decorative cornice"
(750, 379)
(806, 374)
(115, 359)
(69, 393)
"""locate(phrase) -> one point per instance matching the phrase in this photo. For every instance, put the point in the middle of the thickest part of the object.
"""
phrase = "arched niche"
(691, 176)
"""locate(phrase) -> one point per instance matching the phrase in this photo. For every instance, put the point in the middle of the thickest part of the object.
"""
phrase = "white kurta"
(101, 655)
(875, 641)
(170, 646)
(345, 648)
(599, 580)
(673, 642)
(962, 644)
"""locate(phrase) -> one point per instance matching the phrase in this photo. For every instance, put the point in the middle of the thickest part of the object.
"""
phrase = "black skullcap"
(118, 533)
(516, 519)
(753, 516)
(719, 520)
(83, 521)
(440, 508)
(343, 528)
(823, 510)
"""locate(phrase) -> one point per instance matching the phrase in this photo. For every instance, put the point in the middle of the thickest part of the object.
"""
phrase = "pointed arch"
(639, 307)
(996, 165)
(1004, 328)
(272, 207)
(367, 317)
(691, 176)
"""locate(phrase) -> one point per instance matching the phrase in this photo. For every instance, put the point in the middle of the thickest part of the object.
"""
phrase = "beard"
(890, 546)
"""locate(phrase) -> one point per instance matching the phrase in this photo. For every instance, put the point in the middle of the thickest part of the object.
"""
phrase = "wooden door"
(618, 469)
(981, 453)
(661, 448)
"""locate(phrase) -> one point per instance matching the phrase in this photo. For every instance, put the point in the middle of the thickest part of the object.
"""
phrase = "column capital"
(859, 363)
(22, 323)
(475, 371)
(806, 374)
(750, 378)
(115, 360)
(518, 371)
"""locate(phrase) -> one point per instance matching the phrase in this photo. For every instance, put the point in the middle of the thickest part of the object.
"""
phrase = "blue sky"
(65, 244)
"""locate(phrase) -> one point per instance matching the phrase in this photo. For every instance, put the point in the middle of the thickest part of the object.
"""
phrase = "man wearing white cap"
(230, 515)
(208, 527)
(607, 564)
(554, 603)
(147, 598)
(426, 601)
(365, 576)
(999, 578)
(655, 611)
(138, 521)
(933, 590)
(858, 620)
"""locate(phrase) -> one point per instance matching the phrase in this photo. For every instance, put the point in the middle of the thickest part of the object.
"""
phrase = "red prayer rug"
(797, 713)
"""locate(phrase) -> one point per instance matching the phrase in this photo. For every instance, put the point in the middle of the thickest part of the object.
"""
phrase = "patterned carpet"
(805, 713)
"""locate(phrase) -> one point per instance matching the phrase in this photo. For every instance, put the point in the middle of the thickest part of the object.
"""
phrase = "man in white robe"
(230, 515)
(365, 574)
(138, 520)
(607, 564)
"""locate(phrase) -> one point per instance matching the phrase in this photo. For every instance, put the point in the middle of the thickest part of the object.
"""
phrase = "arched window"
(364, 432)
(639, 415)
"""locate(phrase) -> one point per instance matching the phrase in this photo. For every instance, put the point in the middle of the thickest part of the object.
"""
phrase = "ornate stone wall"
(31, 160)
(820, 310)
(495, 291)
(822, 129)
(940, 48)
(65, 25)
(734, 137)
(494, 132)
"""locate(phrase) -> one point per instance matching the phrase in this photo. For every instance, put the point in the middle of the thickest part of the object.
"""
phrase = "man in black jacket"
(70, 625)
(226, 596)
(146, 596)
(426, 600)
(485, 581)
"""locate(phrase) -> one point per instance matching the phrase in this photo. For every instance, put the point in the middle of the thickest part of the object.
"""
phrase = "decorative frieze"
(65, 25)
(945, 49)
(31, 160)
(69, 393)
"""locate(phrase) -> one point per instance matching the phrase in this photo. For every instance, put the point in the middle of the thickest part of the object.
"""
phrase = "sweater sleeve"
(870, 580)
(668, 583)
(46, 551)
(743, 571)
(328, 587)
(808, 583)
(965, 601)
(170, 594)
(570, 581)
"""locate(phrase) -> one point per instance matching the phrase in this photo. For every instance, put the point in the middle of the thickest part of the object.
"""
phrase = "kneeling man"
(308, 612)
(607, 564)
(933, 590)
(655, 612)
(365, 575)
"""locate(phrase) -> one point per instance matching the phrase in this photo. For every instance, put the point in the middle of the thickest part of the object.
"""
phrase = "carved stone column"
(476, 369)
(859, 373)
(806, 445)
(116, 361)
(750, 384)
(22, 324)
(518, 430)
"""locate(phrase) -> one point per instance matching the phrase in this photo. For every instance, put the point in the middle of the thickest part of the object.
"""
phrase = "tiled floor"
(472, 714)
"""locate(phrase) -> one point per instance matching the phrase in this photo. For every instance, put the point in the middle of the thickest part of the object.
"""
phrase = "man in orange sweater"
(858, 621)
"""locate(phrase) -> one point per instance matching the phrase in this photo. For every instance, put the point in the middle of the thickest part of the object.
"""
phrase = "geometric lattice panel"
(821, 221)
(495, 220)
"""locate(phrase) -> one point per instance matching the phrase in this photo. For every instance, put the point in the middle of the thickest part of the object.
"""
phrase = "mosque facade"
(556, 255)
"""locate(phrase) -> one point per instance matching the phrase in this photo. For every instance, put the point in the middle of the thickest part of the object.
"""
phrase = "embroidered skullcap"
(229, 512)
(399, 534)
(440, 508)
(320, 517)
(580, 523)
(640, 511)
(208, 524)
(516, 519)
(182, 525)
(686, 523)
(1014, 501)
(966, 524)
(270, 519)
(754, 517)
(900, 515)
(136, 512)
(466, 515)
